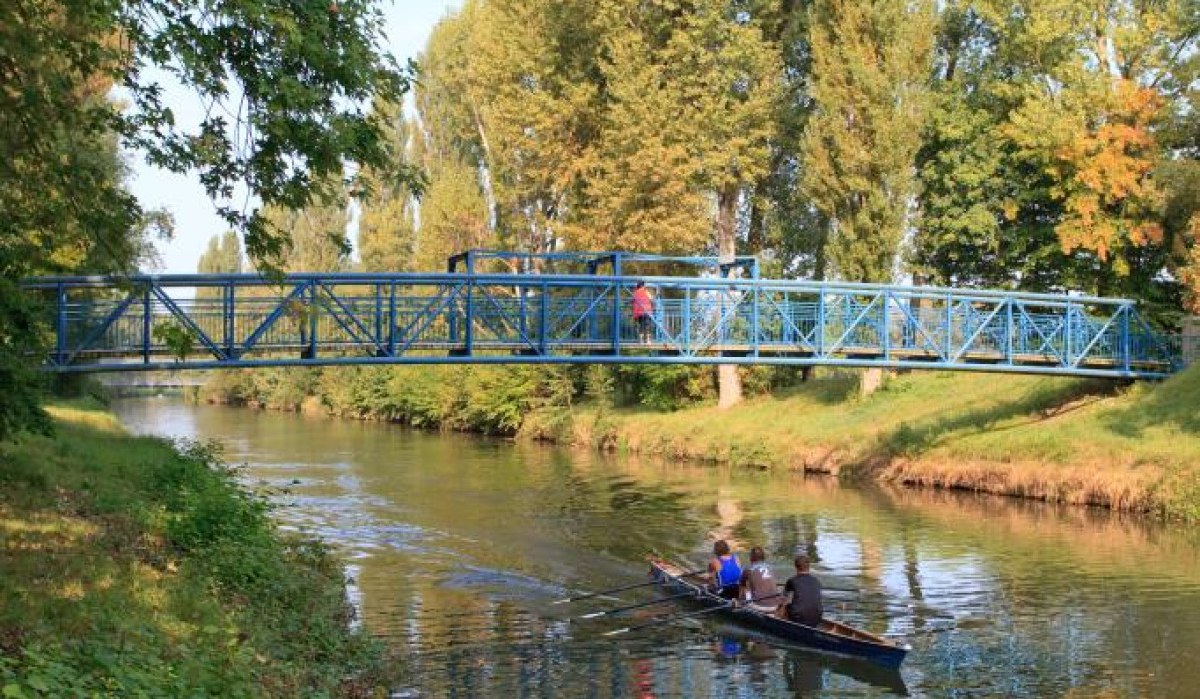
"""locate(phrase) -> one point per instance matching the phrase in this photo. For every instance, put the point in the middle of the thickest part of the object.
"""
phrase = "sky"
(409, 23)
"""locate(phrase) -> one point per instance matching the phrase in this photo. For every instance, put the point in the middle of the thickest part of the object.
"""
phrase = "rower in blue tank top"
(725, 570)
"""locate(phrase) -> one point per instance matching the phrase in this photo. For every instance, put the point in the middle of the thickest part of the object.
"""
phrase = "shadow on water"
(804, 670)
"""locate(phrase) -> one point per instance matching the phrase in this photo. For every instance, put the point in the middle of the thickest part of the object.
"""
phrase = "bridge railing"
(368, 318)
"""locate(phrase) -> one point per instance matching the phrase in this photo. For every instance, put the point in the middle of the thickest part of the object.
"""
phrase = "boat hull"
(832, 637)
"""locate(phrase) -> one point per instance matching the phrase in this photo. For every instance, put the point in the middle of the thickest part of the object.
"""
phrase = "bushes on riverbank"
(533, 400)
(132, 568)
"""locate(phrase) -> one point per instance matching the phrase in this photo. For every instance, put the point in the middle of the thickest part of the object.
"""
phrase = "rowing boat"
(828, 636)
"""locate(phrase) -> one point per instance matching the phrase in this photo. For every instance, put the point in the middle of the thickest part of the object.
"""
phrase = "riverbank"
(1063, 440)
(1091, 442)
(134, 568)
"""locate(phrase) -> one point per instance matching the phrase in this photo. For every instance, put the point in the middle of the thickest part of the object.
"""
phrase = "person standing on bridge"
(643, 311)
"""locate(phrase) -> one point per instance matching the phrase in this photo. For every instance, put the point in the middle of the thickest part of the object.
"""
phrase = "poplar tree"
(638, 189)
(223, 256)
(728, 80)
(537, 111)
(783, 225)
(458, 210)
(386, 223)
(450, 99)
(316, 237)
(454, 216)
(870, 64)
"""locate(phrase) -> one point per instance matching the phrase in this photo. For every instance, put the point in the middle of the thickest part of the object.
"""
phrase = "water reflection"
(457, 545)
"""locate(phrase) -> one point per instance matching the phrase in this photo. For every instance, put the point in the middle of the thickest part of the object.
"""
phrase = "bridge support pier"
(870, 381)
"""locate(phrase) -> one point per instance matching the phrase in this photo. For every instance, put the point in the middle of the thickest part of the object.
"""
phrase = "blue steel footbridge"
(472, 315)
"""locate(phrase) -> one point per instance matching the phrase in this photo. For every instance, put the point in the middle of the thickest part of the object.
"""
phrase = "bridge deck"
(213, 321)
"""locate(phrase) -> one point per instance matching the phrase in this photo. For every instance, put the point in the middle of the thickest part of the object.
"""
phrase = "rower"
(725, 570)
(803, 590)
(758, 584)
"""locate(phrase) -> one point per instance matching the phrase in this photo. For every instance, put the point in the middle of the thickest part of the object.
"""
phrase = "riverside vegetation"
(1132, 448)
(136, 567)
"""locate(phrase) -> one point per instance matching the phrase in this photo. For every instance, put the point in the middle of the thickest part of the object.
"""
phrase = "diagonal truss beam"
(99, 330)
(372, 339)
(966, 345)
(425, 317)
(183, 317)
(275, 314)
(851, 327)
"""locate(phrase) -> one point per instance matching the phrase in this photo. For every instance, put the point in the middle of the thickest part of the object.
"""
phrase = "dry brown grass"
(1084, 484)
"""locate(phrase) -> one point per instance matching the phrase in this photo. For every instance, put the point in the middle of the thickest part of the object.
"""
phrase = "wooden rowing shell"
(830, 636)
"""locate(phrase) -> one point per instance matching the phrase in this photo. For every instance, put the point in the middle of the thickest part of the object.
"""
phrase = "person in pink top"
(643, 311)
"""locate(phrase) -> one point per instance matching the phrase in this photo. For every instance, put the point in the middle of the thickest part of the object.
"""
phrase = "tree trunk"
(729, 384)
(485, 172)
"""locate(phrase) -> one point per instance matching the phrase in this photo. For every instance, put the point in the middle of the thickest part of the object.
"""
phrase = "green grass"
(1086, 441)
(133, 568)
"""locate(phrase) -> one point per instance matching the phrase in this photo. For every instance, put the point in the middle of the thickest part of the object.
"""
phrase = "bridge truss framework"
(245, 320)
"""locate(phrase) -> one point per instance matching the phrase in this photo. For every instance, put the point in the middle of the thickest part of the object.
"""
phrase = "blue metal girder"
(497, 318)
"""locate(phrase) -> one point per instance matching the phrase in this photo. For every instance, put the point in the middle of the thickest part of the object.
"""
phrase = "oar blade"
(605, 593)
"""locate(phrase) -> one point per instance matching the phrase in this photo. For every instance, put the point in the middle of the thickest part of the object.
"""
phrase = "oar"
(623, 588)
(685, 615)
(850, 590)
(626, 608)
(899, 608)
(664, 620)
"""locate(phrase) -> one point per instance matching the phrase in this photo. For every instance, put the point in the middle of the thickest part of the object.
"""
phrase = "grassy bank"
(133, 568)
(1068, 440)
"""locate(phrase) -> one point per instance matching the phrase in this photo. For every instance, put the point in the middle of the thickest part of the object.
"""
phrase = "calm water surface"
(455, 547)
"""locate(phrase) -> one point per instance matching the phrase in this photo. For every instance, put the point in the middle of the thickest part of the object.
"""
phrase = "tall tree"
(316, 237)
(783, 225)
(638, 189)
(454, 216)
(223, 256)
(729, 81)
(386, 224)
(1039, 170)
(537, 112)
(870, 64)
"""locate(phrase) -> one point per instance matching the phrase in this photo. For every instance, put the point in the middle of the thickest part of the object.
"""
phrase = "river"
(456, 545)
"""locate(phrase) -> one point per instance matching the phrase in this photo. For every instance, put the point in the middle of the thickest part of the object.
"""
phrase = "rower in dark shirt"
(804, 590)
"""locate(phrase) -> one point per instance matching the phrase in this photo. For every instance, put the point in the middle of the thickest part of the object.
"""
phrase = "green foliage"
(305, 93)
(223, 256)
(178, 338)
(869, 67)
(1038, 162)
(665, 387)
(286, 89)
(21, 336)
(149, 572)
(317, 236)
(386, 225)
